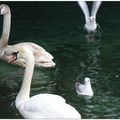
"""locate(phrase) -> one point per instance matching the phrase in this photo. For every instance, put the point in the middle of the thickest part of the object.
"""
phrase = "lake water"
(58, 27)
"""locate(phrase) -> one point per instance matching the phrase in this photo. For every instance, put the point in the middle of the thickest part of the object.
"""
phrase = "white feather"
(84, 90)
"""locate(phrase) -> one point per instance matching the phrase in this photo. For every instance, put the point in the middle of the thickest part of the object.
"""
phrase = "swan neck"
(6, 29)
(88, 84)
(24, 93)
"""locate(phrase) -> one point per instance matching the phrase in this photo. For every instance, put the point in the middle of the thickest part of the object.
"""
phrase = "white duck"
(90, 19)
(84, 90)
(36, 49)
(41, 105)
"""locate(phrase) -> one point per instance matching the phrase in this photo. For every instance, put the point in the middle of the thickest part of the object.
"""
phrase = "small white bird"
(90, 17)
(84, 90)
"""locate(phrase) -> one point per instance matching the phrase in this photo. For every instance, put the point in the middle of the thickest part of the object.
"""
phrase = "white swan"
(90, 19)
(84, 90)
(36, 49)
(42, 105)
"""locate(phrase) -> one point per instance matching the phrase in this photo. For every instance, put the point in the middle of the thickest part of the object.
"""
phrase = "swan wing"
(88, 90)
(81, 87)
(48, 106)
(84, 90)
(95, 7)
(85, 9)
(38, 51)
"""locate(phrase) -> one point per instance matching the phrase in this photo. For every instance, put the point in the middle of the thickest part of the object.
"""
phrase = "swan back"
(44, 58)
(48, 106)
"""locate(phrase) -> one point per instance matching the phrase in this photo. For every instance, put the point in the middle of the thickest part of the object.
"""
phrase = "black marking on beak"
(14, 57)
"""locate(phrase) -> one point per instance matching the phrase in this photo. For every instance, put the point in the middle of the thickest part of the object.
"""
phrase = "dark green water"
(58, 27)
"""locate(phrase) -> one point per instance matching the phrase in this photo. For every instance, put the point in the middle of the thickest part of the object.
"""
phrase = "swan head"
(4, 9)
(87, 80)
(16, 53)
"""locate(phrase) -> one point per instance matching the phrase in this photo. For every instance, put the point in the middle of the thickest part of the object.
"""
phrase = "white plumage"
(84, 90)
(90, 19)
(40, 54)
(41, 105)
(47, 106)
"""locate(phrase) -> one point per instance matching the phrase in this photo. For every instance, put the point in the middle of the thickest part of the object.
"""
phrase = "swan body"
(91, 25)
(36, 49)
(90, 19)
(47, 106)
(40, 54)
(41, 105)
(84, 90)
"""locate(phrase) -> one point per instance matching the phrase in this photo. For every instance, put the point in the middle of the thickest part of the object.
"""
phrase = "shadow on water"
(57, 26)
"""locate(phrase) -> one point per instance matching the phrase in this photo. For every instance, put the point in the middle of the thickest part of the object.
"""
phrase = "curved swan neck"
(24, 92)
(6, 29)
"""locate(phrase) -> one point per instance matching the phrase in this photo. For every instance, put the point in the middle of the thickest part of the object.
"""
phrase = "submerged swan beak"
(14, 57)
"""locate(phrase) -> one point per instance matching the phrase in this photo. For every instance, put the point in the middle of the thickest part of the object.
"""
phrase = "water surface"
(58, 27)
